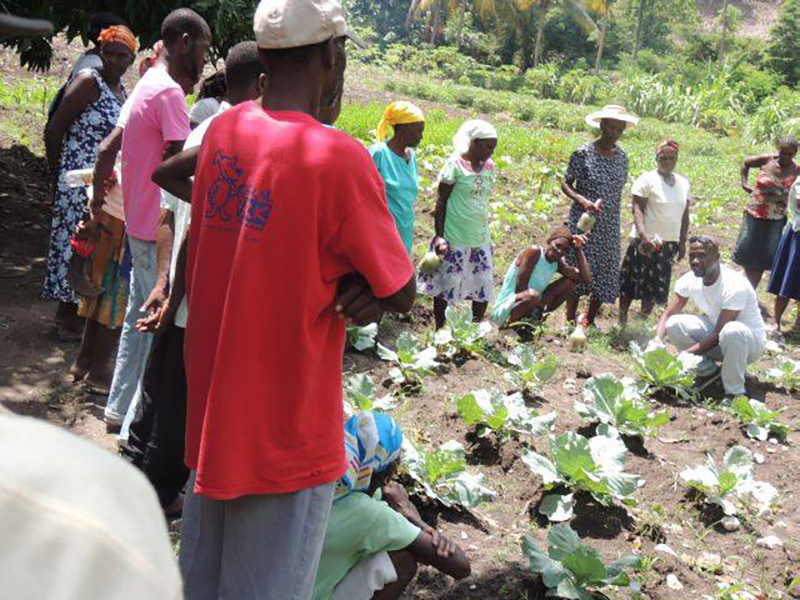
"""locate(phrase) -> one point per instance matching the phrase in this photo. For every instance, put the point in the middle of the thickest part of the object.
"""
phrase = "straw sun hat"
(612, 111)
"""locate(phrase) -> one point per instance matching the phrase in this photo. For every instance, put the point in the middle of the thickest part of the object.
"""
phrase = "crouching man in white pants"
(731, 329)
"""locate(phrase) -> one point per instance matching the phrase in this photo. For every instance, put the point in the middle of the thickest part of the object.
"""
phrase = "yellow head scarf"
(399, 112)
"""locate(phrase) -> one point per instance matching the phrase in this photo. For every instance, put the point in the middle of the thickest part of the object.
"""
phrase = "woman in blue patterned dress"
(598, 171)
(85, 116)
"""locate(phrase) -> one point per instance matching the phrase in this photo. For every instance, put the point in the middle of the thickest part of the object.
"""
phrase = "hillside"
(758, 16)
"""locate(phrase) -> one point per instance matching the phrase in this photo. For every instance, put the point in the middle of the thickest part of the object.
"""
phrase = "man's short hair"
(243, 65)
(100, 21)
(184, 21)
(705, 240)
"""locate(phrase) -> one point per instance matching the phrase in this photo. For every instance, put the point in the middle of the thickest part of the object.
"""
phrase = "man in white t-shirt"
(155, 443)
(731, 329)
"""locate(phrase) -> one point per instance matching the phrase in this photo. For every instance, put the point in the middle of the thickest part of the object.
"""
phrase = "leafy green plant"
(572, 570)
(359, 395)
(461, 333)
(619, 404)
(731, 487)
(526, 371)
(759, 421)
(495, 412)
(660, 370)
(786, 374)
(441, 475)
(592, 465)
(362, 338)
(413, 360)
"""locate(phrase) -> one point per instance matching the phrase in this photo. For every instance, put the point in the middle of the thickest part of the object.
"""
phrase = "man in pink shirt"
(156, 127)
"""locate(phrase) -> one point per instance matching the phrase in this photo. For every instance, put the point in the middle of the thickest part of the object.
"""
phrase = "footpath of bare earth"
(34, 381)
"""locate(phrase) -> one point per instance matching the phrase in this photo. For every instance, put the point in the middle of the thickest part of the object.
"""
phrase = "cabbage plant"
(732, 486)
(593, 465)
(359, 395)
(441, 474)
(573, 570)
(660, 370)
(618, 403)
(786, 374)
(527, 372)
(414, 361)
(362, 338)
(759, 421)
(461, 334)
(495, 412)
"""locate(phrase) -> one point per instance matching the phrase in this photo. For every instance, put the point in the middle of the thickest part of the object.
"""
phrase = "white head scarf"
(475, 129)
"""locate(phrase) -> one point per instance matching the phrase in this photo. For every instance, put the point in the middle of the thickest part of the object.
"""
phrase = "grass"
(25, 101)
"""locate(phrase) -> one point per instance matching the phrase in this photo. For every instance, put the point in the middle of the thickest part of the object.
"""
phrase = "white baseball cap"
(294, 23)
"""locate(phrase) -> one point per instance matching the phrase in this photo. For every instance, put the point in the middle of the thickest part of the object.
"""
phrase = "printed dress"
(596, 177)
(78, 151)
(466, 272)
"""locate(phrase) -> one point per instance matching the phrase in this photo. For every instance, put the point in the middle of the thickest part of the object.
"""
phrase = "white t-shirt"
(731, 291)
(665, 205)
(794, 222)
(183, 212)
(76, 521)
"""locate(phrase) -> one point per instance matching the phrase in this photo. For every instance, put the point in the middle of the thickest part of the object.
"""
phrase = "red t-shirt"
(282, 208)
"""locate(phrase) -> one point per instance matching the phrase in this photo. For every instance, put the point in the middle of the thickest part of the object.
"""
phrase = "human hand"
(160, 319)
(444, 546)
(440, 245)
(355, 302)
(747, 188)
(579, 241)
(646, 244)
(589, 206)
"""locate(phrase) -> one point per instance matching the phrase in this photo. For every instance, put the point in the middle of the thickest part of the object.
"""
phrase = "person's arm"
(568, 185)
(175, 174)
(725, 317)
(638, 206)
(527, 263)
(440, 553)
(752, 162)
(440, 245)
(165, 236)
(684, 230)
(356, 303)
(675, 307)
(581, 273)
(79, 95)
(104, 167)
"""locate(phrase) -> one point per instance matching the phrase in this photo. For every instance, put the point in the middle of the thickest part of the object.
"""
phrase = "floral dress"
(78, 151)
(596, 177)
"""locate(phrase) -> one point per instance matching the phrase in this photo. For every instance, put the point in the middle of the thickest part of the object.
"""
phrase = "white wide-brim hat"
(280, 24)
(612, 111)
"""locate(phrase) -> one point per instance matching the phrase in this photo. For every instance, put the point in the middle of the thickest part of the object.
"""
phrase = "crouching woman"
(375, 538)
(529, 290)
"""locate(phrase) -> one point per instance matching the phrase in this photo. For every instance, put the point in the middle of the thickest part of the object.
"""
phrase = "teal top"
(401, 180)
(359, 526)
(466, 222)
(540, 278)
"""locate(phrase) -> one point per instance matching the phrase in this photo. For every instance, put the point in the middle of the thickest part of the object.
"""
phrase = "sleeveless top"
(770, 197)
(539, 280)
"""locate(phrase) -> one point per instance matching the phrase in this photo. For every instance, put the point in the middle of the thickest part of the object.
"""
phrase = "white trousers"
(738, 347)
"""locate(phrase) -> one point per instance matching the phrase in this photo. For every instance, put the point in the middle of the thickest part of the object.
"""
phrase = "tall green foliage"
(231, 21)
(784, 47)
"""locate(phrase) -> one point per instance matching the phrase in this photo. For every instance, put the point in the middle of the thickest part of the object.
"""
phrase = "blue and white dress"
(78, 151)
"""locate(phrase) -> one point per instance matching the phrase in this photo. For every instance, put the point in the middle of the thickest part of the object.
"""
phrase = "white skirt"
(465, 274)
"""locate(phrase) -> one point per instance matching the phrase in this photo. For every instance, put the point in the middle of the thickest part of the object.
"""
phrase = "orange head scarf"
(118, 33)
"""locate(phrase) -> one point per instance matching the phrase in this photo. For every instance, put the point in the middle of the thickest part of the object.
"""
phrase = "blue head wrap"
(372, 443)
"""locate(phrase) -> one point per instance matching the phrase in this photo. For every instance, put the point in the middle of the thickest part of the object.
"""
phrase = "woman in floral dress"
(597, 172)
(462, 225)
(85, 116)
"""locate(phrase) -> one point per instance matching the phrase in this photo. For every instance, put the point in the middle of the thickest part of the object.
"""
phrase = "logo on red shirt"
(230, 200)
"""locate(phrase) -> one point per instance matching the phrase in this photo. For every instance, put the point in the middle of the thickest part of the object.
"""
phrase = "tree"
(723, 31)
(639, 21)
(231, 21)
(784, 46)
(544, 6)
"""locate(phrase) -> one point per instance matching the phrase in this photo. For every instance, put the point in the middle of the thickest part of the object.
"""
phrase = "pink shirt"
(158, 115)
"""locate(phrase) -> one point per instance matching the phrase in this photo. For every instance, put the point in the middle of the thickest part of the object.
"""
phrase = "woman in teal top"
(397, 164)
(527, 289)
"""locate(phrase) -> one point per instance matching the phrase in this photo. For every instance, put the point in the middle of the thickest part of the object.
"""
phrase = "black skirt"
(647, 277)
(758, 242)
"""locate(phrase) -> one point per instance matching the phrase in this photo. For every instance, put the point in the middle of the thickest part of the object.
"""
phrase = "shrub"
(542, 80)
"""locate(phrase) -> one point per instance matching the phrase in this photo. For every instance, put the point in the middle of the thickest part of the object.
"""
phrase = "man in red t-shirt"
(290, 233)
